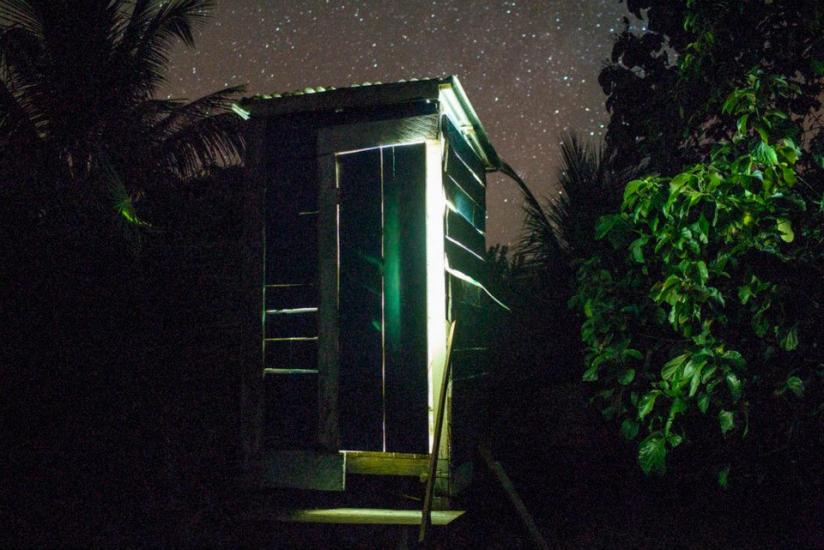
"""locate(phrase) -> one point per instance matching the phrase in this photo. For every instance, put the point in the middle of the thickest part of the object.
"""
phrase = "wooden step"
(386, 464)
(366, 516)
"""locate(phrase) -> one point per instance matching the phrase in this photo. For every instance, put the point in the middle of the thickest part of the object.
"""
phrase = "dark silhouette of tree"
(543, 335)
(666, 85)
(119, 375)
(589, 186)
(78, 112)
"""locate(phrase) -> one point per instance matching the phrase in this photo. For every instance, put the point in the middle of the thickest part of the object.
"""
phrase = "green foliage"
(711, 311)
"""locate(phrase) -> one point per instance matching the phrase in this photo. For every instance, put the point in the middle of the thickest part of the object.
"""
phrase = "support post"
(328, 330)
(426, 518)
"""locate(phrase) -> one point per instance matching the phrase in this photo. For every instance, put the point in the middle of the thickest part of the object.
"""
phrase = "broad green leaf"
(633, 353)
(637, 249)
(726, 419)
(672, 365)
(591, 374)
(742, 125)
(790, 340)
(674, 440)
(708, 372)
(734, 385)
(765, 154)
(703, 402)
(791, 151)
(678, 406)
(632, 189)
(646, 403)
(723, 476)
(817, 66)
(694, 365)
(735, 358)
(785, 227)
(626, 377)
(605, 225)
(744, 294)
(731, 102)
(789, 176)
(652, 454)
(703, 227)
(703, 273)
(629, 428)
(695, 381)
(796, 385)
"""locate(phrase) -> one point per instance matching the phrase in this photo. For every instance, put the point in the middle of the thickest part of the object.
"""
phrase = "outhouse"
(372, 241)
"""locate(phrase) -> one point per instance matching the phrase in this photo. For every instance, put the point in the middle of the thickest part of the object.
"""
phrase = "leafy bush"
(706, 331)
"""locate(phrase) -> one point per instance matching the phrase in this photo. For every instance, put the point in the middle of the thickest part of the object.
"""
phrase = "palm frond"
(21, 14)
(563, 229)
(159, 27)
(15, 119)
(214, 140)
(182, 114)
(538, 238)
(176, 19)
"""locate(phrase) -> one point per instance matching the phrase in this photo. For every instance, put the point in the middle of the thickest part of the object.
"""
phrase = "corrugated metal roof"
(371, 94)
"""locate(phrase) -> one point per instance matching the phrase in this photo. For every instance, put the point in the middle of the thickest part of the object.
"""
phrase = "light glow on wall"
(435, 279)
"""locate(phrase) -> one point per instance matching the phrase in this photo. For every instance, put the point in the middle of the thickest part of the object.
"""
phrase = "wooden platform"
(366, 516)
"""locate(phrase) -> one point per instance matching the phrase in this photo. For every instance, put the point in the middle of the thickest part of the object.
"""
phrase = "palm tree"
(79, 121)
(561, 232)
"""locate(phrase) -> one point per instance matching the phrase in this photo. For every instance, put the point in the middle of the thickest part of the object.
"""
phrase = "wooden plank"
(292, 354)
(306, 470)
(426, 514)
(458, 143)
(460, 202)
(361, 294)
(291, 411)
(386, 464)
(291, 295)
(285, 326)
(351, 137)
(465, 261)
(328, 365)
(405, 288)
(463, 231)
(514, 498)
(472, 183)
(366, 516)
(251, 399)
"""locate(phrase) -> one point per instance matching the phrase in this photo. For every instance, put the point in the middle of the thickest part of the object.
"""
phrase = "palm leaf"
(183, 114)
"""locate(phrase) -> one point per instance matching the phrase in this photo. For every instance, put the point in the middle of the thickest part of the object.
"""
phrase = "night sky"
(529, 67)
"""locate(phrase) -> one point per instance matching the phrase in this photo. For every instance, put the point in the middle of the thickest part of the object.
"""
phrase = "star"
(529, 67)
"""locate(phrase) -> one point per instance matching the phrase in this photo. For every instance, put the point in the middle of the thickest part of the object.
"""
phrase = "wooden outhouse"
(372, 240)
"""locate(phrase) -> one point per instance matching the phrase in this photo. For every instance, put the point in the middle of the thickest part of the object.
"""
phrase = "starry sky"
(529, 67)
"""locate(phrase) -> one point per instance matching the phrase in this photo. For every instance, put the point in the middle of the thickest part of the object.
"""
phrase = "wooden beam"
(514, 498)
(363, 96)
(366, 516)
(328, 330)
(251, 398)
(386, 464)
(363, 135)
(307, 470)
